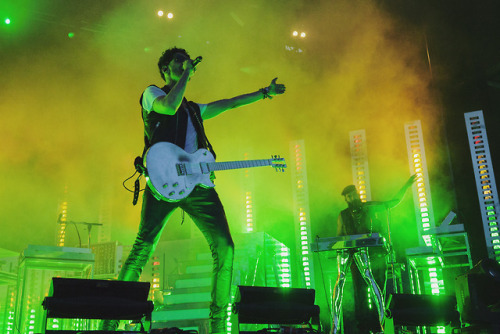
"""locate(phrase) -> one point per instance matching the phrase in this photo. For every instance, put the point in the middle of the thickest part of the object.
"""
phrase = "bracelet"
(265, 92)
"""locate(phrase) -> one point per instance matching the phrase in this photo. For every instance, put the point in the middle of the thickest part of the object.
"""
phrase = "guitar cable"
(137, 186)
(139, 168)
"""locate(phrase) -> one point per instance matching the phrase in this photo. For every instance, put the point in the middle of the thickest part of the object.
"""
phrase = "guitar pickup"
(205, 168)
(181, 169)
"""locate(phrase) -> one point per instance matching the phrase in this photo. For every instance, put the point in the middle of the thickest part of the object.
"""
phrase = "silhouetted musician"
(358, 218)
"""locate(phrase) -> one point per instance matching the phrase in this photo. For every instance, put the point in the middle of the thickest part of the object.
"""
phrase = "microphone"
(197, 60)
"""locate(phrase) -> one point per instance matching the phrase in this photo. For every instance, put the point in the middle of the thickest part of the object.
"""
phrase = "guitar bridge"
(181, 169)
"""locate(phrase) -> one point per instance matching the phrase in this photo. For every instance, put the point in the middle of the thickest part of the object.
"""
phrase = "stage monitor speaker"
(422, 310)
(274, 305)
(71, 298)
(478, 293)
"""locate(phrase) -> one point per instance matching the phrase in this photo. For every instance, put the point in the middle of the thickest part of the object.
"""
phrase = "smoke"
(71, 117)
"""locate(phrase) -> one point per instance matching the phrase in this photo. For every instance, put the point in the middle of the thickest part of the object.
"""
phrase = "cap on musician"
(350, 188)
(350, 192)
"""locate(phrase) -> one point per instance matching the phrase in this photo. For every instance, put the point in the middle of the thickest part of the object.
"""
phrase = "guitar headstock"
(278, 163)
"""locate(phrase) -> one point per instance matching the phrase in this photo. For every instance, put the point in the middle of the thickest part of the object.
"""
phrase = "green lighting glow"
(71, 34)
(7, 21)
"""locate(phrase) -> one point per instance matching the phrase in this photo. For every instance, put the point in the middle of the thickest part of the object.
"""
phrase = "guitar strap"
(199, 125)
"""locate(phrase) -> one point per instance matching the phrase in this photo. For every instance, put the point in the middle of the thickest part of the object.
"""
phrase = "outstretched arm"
(401, 193)
(218, 107)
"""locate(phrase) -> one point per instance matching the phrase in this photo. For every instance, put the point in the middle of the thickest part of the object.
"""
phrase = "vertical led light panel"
(485, 180)
(433, 279)
(63, 219)
(361, 173)
(421, 190)
(301, 213)
(249, 207)
(359, 164)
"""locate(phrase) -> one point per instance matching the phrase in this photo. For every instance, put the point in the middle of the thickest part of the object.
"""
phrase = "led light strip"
(359, 164)
(485, 180)
(421, 189)
(249, 208)
(155, 266)
(249, 212)
(61, 234)
(301, 214)
(433, 278)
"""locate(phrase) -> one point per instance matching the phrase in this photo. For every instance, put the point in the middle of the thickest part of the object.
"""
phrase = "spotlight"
(170, 15)
(7, 21)
(295, 33)
(302, 34)
(160, 13)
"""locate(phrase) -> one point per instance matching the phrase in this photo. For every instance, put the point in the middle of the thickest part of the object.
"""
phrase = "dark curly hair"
(167, 57)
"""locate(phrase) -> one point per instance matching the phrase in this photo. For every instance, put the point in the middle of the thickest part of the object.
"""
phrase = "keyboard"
(348, 242)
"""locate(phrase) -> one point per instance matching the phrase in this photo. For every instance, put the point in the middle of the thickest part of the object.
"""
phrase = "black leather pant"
(205, 208)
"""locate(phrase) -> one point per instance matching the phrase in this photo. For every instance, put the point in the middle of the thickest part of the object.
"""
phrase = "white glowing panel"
(485, 180)
(359, 164)
(303, 237)
(421, 189)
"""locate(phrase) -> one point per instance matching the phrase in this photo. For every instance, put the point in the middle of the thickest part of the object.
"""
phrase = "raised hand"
(275, 88)
(411, 180)
(187, 65)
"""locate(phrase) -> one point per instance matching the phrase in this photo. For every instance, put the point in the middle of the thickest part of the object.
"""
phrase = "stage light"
(71, 34)
(250, 227)
(485, 180)
(160, 13)
(7, 21)
(295, 33)
(302, 34)
(303, 238)
(170, 15)
(266, 305)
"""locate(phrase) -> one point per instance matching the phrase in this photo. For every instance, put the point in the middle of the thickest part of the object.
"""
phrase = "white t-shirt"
(149, 96)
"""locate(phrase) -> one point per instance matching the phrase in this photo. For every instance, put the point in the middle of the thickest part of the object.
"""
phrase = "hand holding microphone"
(196, 61)
(191, 64)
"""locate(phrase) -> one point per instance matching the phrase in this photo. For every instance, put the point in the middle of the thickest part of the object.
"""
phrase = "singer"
(169, 116)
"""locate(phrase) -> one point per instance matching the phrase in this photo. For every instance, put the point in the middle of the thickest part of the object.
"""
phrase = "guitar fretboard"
(213, 166)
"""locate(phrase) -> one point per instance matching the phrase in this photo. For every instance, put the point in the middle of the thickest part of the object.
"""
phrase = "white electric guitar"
(173, 173)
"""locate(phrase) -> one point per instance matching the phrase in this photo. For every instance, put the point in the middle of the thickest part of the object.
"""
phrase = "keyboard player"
(358, 218)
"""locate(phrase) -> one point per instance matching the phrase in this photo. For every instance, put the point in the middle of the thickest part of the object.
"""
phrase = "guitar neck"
(214, 166)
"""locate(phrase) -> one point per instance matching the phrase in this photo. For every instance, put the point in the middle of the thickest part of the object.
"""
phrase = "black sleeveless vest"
(173, 128)
(353, 226)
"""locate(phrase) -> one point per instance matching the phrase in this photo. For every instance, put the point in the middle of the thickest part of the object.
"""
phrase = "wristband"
(265, 92)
